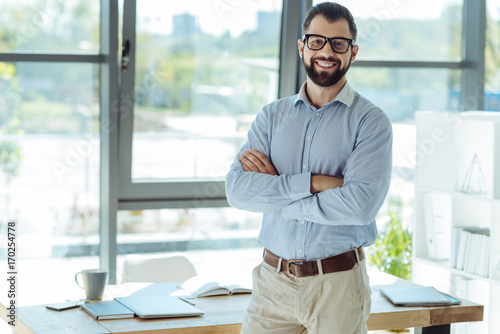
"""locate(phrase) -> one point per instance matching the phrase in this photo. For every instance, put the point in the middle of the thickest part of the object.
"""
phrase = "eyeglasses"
(338, 44)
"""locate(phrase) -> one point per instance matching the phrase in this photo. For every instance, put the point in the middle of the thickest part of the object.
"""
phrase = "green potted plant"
(392, 250)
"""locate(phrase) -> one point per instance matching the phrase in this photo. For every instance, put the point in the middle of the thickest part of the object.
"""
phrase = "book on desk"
(198, 286)
(109, 309)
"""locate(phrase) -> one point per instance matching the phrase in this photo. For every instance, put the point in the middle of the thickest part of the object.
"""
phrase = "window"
(203, 69)
(402, 91)
(49, 137)
(413, 56)
(186, 229)
(50, 153)
(406, 30)
(52, 26)
(199, 71)
(410, 55)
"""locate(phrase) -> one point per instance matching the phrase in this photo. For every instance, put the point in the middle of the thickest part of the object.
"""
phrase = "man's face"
(325, 67)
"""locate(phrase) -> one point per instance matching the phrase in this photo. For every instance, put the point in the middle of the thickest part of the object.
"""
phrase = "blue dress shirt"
(348, 138)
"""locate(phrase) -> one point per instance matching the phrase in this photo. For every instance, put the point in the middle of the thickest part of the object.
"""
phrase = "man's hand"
(254, 161)
(321, 183)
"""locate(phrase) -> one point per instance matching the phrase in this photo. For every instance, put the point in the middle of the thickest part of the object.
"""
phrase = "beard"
(324, 78)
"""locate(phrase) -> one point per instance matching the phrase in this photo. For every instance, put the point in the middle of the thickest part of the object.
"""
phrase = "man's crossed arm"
(254, 161)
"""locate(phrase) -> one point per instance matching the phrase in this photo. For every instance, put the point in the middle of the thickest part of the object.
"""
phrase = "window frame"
(202, 192)
(136, 194)
(152, 194)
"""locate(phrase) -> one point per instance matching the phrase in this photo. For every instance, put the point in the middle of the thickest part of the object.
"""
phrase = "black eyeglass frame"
(328, 40)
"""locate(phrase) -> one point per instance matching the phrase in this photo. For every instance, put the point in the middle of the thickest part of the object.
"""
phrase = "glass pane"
(401, 92)
(492, 57)
(225, 231)
(203, 70)
(49, 167)
(233, 266)
(54, 26)
(423, 30)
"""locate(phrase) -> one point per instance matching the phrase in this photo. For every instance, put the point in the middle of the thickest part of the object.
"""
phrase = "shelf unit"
(458, 157)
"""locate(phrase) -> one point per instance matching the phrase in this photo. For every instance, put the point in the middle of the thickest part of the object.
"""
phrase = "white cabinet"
(457, 185)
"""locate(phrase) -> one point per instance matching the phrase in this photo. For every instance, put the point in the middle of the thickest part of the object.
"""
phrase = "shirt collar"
(345, 96)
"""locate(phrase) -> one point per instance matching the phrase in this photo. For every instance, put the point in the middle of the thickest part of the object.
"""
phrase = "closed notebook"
(107, 310)
(158, 306)
(417, 296)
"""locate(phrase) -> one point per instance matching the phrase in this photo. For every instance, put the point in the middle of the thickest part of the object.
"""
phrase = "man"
(318, 166)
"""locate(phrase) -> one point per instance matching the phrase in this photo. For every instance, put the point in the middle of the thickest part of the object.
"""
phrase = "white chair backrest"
(157, 268)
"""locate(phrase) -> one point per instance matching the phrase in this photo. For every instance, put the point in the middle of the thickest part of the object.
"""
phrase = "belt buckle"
(290, 262)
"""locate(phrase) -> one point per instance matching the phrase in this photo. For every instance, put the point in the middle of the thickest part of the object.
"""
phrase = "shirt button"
(304, 166)
(300, 251)
(317, 114)
(308, 137)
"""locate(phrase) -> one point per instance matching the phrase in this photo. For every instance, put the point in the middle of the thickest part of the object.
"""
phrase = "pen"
(187, 301)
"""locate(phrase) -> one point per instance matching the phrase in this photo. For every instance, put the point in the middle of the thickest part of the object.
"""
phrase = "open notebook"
(417, 296)
(199, 286)
(158, 306)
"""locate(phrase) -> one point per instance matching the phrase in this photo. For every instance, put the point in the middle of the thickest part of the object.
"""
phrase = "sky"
(236, 16)
(215, 17)
(494, 8)
(414, 9)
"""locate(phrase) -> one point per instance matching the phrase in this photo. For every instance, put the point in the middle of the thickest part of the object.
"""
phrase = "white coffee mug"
(94, 282)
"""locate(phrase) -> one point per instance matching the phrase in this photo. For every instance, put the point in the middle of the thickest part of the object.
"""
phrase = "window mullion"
(109, 138)
(474, 42)
(126, 106)
(291, 74)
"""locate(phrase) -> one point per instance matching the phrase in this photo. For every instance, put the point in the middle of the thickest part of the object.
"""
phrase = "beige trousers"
(335, 303)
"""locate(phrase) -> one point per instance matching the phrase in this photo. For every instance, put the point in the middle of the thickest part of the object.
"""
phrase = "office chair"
(157, 268)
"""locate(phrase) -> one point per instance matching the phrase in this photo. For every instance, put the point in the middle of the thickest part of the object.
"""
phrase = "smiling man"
(318, 166)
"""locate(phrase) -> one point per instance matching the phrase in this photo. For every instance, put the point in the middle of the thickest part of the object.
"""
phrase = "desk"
(224, 314)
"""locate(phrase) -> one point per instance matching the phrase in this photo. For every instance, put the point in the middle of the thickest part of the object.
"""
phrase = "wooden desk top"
(224, 314)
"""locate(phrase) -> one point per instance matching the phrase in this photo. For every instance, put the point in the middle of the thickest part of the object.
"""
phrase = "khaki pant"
(335, 303)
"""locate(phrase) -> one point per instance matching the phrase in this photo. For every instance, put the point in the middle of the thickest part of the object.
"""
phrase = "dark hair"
(332, 12)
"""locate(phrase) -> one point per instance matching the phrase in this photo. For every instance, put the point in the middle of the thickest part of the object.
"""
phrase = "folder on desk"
(109, 309)
(148, 307)
(417, 296)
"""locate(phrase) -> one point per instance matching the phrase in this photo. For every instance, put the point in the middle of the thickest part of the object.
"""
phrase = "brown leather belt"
(301, 268)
